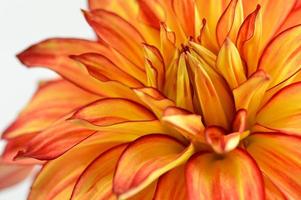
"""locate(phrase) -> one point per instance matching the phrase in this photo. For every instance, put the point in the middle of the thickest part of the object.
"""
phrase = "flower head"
(176, 99)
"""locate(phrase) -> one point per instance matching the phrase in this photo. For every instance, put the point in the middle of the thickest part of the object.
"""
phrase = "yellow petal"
(230, 64)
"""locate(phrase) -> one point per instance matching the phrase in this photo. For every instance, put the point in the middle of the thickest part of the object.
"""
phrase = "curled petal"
(232, 176)
(160, 154)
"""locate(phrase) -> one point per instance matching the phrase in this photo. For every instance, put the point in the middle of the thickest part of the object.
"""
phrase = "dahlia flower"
(176, 99)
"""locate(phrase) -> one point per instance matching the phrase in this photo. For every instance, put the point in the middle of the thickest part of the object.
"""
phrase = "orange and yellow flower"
(177, 99)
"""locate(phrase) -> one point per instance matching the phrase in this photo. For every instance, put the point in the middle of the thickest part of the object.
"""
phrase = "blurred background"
(24, 23)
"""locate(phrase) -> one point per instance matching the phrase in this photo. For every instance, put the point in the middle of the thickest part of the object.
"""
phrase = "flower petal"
(11, 174)
(188, 125)
(287, 100)
(160, 154)
(110, 111)
(232, 176)
(54, 54)
(249, 38)
(118, 33)
(53, 100)
(229, 23)
(102, 68)
(172, 185)
(250, 94)
(230, 64)
(154, 100)
(212, 93)
(96, 180)
(282, 57)
(278, 157)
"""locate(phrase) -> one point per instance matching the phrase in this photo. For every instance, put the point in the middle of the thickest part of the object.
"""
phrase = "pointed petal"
(110, 111)
(54, 54)
(96, 180)
(249, 38)
(229, 23)
(53, 100)
(102, 68)
(232, 176)
(154, 100)
(249, 95)
(230, 64)
(278, 157)
(55, 141)
(160, 154)
(289, 119)
(151, 13)
(282, 57)
(172, 185)
(212, 93)
(118, 33)
(11, 174)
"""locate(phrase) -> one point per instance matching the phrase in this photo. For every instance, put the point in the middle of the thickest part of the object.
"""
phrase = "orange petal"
(102, 68)
(149, 157)
(232, 176)
(106, 112)
(58, 177)
(274, 13)
(249, 95)
(151, 13)
(293, 19)
(154, 100)
(212, 93)
(11, 174)
(230, 64)
(229, 23)
(249, 38)
(282, 57)
(96, 182)
(118, 33)
(53, 100)
(271, 191)
(54, 141)
(188, 125)
(172, 185)
(54, 54)
(184, 10)
(278, 157)
(287, 100)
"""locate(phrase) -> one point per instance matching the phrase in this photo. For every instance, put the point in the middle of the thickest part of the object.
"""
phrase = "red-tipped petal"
(232, 176)
(149, 158)
(278, 156)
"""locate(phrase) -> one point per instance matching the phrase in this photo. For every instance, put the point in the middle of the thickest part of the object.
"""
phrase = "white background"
(24, 22)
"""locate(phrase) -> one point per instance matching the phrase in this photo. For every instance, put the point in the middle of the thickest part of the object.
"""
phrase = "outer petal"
(278, 157)
(172, 185)
(11, 174)
(282, 57)
(96, 182)
(287, 100)
(118, 33)
(102, 68)
(149, 158)
(232, 176)
(110, 111)
(53, 100)
(54, 54)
